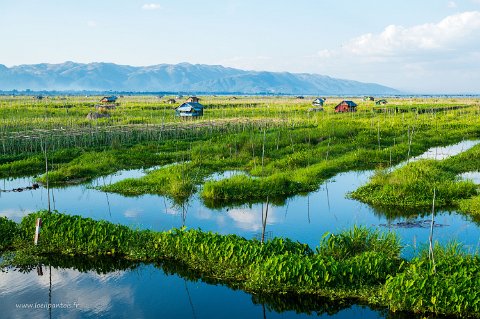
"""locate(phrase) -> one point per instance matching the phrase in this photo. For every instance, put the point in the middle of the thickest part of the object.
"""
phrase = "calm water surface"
(147, 291)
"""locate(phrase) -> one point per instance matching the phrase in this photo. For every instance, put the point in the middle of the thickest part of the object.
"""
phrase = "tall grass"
(413, 185)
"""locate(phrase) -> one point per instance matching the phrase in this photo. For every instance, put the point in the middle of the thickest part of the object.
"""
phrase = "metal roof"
(188, 106)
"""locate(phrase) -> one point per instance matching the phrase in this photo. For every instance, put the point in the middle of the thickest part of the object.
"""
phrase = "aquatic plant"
(451, 287)
(8, 232)
(470, 205)
(357, 263)
(358, 240)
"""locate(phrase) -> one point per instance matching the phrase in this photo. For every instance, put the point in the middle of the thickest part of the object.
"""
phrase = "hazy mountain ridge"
(183, 77)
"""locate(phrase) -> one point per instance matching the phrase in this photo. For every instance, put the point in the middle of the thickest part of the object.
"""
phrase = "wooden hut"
(109, 99)
(318, 101)
(346, 106)
(381, 102)
(189, 110)
(192, 99)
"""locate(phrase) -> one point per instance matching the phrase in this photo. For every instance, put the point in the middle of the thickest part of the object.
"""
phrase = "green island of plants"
(282, 148)
(413, 185)
(359, 264)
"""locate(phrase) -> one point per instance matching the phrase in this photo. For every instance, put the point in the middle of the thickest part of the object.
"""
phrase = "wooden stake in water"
(264, 222)
(430, 239)
(46, 173)
(38, 225)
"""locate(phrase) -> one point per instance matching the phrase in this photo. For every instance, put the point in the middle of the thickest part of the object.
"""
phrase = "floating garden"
(281, 151)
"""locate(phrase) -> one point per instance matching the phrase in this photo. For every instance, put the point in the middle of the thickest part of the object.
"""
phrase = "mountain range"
(182, 77)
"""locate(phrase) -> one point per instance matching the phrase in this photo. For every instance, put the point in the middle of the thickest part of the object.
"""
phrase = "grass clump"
(35, 164)
(279, 264)
(358, 240)
(470, 205)
(413, 185)
(242, 187)
(177, 181)
(75, 235)
(352, 263)
(88, 165)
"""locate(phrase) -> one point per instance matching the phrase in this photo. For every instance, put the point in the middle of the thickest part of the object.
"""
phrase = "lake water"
(147, 291)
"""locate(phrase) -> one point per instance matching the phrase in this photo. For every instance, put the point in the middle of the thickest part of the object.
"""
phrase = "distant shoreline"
(169, 93)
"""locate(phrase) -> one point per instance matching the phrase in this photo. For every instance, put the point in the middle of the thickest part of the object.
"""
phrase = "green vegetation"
(471, 205)
(361, 264)
(176, 181)
(283, 149)
(413, 185)
(97, 163)
(450, 287)
(35, 164)
(8, 232)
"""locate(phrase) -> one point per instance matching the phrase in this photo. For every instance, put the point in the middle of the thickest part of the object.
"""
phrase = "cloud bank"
(448, 49)
(452, 33)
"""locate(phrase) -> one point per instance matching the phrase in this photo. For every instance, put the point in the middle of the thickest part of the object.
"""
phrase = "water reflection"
(443, 152)
(473, 176)
(304, 217)
(107, 287)
(113, 288)
(62, 292)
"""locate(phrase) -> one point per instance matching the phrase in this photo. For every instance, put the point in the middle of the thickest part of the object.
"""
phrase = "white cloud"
(452, 4)
(449, 34)
(151, 6)
(245, 219)
(251, 219)
(14, 214)
(437, 57)
(132, 213)
(69, 287)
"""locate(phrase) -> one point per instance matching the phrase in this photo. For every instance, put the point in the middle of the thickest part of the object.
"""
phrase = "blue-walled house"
(318, 101)
(189, 109)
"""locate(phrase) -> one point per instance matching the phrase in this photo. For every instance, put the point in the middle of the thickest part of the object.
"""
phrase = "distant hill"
(183, 77)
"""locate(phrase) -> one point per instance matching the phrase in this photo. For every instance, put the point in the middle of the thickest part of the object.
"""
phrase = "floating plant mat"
(34, 186)
(413, 224)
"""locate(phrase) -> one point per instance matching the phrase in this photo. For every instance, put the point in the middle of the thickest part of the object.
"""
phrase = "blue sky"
(427, 46)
